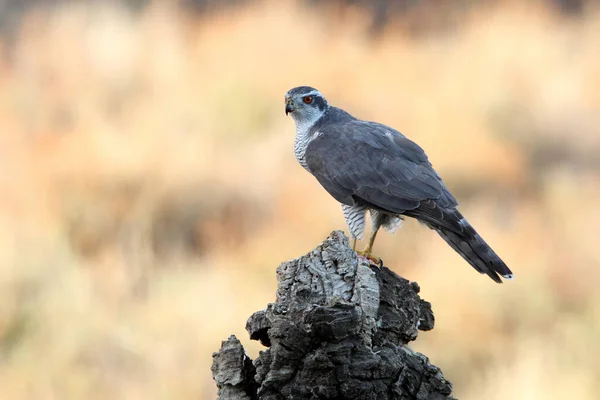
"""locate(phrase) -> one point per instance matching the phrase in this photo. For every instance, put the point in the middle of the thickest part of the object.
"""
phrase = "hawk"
(369, 166)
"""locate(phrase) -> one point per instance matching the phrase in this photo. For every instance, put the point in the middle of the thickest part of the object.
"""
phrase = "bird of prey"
(369, 166)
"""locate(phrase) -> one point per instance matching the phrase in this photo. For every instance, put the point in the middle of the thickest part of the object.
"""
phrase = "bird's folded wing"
(373, 164)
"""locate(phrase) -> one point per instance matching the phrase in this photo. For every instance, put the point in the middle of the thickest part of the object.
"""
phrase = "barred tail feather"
(475, 250)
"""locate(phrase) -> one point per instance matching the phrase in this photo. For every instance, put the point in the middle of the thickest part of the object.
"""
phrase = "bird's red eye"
(307, 99)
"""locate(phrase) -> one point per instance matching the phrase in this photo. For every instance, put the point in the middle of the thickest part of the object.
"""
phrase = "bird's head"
(305, 104)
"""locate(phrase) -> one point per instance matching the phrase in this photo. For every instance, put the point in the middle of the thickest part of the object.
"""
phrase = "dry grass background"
(149, 189)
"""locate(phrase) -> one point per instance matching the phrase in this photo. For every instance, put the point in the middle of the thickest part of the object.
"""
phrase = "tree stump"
(338, 330)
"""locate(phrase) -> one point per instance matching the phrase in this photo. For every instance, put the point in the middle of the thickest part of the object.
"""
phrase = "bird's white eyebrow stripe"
(312, 93)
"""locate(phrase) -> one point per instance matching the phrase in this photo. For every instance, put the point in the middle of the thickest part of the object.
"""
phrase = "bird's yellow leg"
(367, 252)
(369, 249)
(354, 244)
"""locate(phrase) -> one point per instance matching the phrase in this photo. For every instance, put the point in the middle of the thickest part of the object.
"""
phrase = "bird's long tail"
(475, 250)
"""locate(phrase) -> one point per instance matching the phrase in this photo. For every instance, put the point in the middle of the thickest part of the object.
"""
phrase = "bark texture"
(338, 330)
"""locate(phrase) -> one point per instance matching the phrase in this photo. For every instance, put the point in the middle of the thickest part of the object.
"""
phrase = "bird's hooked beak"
(289, 107)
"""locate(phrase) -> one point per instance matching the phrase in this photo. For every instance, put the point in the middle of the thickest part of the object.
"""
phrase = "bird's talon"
(372, 259)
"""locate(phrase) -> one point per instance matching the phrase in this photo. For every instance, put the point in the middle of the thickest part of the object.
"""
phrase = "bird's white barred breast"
(300, 145)
(301, 142)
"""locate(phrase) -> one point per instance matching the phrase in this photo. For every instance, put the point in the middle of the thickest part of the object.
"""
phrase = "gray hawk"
(369, 166)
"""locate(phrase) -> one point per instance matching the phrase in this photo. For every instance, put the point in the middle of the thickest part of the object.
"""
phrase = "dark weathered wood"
(233, 371)
(338, 330)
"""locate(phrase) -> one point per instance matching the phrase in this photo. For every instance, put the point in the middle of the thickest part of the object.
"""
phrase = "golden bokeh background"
(149, 187)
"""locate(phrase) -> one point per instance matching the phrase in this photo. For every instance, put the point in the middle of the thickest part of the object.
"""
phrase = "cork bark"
(339, 329)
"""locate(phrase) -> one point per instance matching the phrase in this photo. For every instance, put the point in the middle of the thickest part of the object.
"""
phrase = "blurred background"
(149, 187)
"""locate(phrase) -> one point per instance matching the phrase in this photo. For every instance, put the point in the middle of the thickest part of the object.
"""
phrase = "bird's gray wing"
(374, 165)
